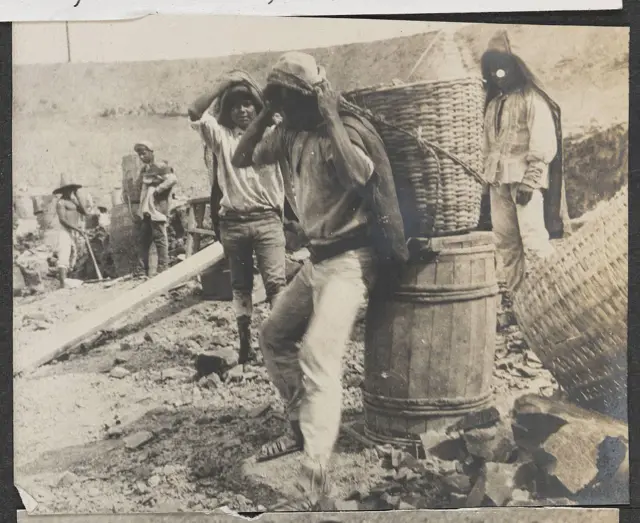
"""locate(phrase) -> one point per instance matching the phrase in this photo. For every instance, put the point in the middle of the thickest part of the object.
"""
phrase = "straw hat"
(66, 183)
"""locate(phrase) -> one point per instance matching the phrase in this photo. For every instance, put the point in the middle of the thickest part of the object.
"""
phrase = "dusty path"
(201, 431)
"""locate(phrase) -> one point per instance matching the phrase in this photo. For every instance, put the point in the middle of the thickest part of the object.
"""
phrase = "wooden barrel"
(429, 349)
(131, 166)
(23, 207)
(44, 208)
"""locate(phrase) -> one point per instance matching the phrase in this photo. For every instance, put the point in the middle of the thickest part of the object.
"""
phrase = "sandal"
(282, 446)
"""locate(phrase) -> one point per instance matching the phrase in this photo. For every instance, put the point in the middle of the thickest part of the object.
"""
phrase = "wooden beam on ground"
(52, 344)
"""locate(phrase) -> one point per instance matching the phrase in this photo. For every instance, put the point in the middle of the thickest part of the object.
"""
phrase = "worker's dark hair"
(487, 61)
(231, 98)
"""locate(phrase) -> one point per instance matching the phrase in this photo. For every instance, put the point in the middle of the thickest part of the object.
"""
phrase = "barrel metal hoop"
(384, 439)
(416, 408)
(445, 294)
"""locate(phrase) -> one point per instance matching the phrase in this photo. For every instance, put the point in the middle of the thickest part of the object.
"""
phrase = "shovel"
(93, 258)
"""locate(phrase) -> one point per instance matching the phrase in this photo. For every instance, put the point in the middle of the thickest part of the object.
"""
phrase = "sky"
(166, 37)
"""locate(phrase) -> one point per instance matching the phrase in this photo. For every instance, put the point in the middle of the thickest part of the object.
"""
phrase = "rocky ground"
(126, 424)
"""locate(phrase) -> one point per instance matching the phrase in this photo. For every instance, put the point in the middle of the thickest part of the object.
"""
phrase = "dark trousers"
(152, 233)
(263, 236)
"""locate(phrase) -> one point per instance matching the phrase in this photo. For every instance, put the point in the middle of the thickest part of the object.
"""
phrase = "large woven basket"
(432, 131)
(572, 309)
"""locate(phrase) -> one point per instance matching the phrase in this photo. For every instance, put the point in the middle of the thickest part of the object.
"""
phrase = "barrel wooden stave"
(429, 351)
(123, 240)
(131, 189)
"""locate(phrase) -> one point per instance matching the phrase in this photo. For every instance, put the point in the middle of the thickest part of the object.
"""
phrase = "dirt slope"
(585, 66)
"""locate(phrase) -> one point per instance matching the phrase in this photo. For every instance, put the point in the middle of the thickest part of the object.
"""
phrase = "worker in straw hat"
(348, 209)
(523, 160)
(248, 205)
(157, 180)
(71, 214)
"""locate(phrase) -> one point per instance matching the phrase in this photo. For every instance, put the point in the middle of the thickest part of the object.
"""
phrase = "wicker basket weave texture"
(437, 195)
(572, 307)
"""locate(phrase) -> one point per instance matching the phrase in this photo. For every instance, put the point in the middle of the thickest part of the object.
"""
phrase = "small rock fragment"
(114, 432)
(218, 361)
(392, 501)
(122, 358)
(67, 479)
(405, 506)
(137, 439)
(459, 483)
(154, 481)
(212, 381)
(235, 442)
(259, 411)
(494, 443)
(173, 374)
(141, 488)
(126, 346)
(119, 373)
(149, 337)
(94, 492)
(500, 482)
(236, 374)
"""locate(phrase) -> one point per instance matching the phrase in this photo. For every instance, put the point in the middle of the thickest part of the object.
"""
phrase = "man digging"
(349, 212)
(523, 158)
(71, 215)
(247, 204)
(157, 179)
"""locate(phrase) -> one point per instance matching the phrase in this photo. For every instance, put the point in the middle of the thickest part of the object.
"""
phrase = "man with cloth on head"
(349, 211)
(248, 205)
(523, 160)
(157, 180)
(71, 214)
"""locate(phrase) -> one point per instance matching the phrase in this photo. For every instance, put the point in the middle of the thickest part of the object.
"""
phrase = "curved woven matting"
(438, 194)
(572, 309)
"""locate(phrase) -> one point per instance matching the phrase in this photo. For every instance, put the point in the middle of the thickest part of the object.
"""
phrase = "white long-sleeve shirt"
(244, 190)
(519, 147)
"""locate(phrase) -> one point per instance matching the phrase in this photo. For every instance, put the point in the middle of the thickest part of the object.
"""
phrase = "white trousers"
(519, 230)
(319, 308)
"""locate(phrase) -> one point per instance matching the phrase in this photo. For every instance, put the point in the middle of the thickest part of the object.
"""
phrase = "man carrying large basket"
(523, 160)
(349, 211)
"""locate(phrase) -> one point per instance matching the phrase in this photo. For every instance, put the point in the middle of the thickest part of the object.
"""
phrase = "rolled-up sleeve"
(209, 130)
(543, 143)
(270, 149)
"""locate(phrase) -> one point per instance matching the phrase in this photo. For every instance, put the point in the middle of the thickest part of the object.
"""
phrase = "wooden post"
(191, 224)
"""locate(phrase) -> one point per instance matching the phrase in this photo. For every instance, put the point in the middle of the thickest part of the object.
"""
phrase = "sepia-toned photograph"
(286, 265)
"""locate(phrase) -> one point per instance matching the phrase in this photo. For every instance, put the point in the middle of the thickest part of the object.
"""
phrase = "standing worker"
(523, 160)
(71, 215)
(157, 180)
(247, 204)
(349, 212)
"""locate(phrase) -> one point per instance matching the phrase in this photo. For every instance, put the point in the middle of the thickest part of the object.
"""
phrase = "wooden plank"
(59, 340)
